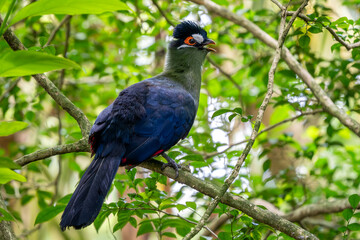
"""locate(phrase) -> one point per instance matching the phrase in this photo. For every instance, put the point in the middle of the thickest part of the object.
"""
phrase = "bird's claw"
(171, 163)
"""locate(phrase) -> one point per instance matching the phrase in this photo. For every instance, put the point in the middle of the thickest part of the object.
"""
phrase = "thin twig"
(348, 46)
(4, 23)
(11, 87)
(282, 35)
(228, 76)
(53, 33)
(163, 13)
(60, 86)
(210, 155)
(326, 102)
(212, 190)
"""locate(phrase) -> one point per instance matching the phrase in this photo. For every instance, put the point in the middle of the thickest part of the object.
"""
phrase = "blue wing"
(170, 113)
(145, 119)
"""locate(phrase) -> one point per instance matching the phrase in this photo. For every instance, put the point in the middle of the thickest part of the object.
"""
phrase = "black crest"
(187, 28)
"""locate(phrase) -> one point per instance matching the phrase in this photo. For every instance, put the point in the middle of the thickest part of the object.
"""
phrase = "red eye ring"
(190, 41)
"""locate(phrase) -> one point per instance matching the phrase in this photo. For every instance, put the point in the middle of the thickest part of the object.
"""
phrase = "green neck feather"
(184, 66)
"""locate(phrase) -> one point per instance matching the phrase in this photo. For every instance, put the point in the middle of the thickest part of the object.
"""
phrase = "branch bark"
(212, 190)
(318, 209)
(6, 231)
(284, 29)
(291, 61)
(79, 146)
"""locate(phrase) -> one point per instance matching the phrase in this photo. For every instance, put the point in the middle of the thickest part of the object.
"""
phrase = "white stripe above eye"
(198, 37)
(184, 46)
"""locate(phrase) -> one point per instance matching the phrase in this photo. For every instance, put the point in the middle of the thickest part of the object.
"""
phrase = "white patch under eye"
(198, 37)
(184, 46)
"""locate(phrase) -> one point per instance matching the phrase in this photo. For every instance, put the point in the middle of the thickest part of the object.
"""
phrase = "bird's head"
(188, 35)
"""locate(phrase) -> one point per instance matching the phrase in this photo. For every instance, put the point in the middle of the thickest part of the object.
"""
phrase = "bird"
(144, 121)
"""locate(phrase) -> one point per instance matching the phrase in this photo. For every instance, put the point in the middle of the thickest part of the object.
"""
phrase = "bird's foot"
(171, 163)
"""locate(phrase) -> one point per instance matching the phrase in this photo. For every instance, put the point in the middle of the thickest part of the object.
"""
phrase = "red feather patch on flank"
(158, 152)
(123, 160)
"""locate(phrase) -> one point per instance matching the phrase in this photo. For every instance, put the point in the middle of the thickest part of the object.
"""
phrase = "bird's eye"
(190, 41)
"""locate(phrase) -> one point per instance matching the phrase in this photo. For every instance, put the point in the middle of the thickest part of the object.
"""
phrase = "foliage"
(311, 160)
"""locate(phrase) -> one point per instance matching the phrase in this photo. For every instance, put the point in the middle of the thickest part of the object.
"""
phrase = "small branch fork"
(202, 186)
(207, 155)
(326, 102)
(282, 35)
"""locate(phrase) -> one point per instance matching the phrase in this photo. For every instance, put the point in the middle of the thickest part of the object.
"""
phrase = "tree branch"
(50, 87)
(348, 46)
(291, 61)
(6, 231)
(282, 35)
(53, 33)
(212, 154)
(317, 209)
(79, 146)
(10, 88)
(212, 190)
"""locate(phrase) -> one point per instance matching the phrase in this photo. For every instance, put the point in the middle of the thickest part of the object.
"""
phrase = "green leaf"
(5, 215)
(354, 200)
(6, 175)
(123, 218)
(220, 112)
(266, 165)
(133, 222)
(193, 157)
(145, 227)
(23, 63)
(169, 234)
(354, 227)
(324, 20)
(42, 41)
(191, 205)
(315, 29)
(8, 128)
(48, 213)
(347, 214)
(225, 236)
(100, 219)
(70, 7)
(238, 111)
(304, 41)
(8, 163)
(232, 116)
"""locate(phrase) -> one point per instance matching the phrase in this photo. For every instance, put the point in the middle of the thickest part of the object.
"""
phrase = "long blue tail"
(86, 202)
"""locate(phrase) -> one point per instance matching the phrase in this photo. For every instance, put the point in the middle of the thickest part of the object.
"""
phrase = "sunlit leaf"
(6, 175)
(48, 213)
(354, 200)
(23, 63)
(8, 128)
(69, 7)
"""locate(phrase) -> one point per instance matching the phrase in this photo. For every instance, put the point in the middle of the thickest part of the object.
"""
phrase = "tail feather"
(86, 202)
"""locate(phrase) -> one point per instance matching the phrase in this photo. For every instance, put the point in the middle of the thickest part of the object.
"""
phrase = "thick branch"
(6, 231)
(317, 209)
(291, 61)
(79, 146)
(50, 87)
(211, 190)
(229, 180)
